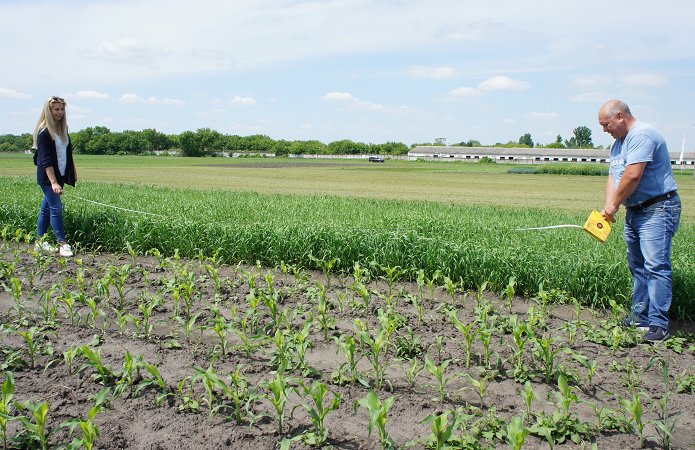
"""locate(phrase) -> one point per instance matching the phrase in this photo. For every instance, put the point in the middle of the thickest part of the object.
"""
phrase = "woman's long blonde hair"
(59, 128)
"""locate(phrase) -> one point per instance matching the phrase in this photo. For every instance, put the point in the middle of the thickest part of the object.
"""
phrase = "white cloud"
(134, 99)
(336, 96)
(12, 94)
(644, 80)
(128, 50)
(90, 95)
(465, 91)
(590, 97)
(592, 80)
(497, 83)
(437, 73)
(246, 101)
(502, 82)
(542, 115)
(355, 103)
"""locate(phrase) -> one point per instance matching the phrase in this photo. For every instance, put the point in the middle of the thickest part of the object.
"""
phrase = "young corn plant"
(237, 390)
(6, 405)
(35, 434)
(516, 433)
(279, 390)
(547, 355)
(391, 275)
(376, 346)
(481, 385)
(16, 291)
(520, 337)
(509, 292)
(347, 372)
(378, 416)
(322, 315)
(666, 423)
(468, 332)
(634, 408)
(528, 395)
(439, 373)
(318, 409)
(90, 431)
(442, 430)
(326, 266)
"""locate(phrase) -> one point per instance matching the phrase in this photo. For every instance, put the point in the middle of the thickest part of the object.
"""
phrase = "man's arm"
(628, 183)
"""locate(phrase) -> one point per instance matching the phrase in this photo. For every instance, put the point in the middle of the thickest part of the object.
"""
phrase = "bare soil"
(136, 420)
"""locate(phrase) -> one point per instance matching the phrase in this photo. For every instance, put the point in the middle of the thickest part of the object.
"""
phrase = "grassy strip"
(473, 244)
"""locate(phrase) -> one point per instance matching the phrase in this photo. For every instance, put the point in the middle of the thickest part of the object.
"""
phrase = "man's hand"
(608, 213)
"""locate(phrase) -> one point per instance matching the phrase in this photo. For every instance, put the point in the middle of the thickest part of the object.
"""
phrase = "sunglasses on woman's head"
(57, 99)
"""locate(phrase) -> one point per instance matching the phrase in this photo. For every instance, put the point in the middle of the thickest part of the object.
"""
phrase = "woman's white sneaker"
(66, 250)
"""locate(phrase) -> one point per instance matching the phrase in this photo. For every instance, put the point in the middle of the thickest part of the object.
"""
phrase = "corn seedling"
(318, 409)
(665, 424)
(509, 292)
(528, 395)
(546, 354)
(481, 385)
(90, 431)
(103, 374)
(155, 380)
(347, 372)
(280, 389)
(376, 352)
(634, 408)
(326, 266)
(468, 332)
(237, 391)
(6, 405)
(441, 429)
(16, 291)
(68, 300)
(322, 315)
(69, 358)
(118, 276)
(35, 434)
(378, 416)
(413, 371)
(516, 433)
(439, 373)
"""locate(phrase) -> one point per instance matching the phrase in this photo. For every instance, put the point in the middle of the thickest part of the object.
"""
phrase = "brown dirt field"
(136, 420)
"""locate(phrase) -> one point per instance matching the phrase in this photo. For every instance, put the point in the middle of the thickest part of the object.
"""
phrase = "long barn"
(527, 155)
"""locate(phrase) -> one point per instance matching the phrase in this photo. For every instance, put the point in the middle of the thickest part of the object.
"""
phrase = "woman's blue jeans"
(648, 234)
(51, 212)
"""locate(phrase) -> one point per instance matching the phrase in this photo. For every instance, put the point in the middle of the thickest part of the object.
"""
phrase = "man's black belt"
(651, 201)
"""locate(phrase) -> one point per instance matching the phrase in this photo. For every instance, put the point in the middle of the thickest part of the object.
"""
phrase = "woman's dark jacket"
(46, 156)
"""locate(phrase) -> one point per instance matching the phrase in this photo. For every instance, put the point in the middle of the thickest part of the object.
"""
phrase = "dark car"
(376, 159)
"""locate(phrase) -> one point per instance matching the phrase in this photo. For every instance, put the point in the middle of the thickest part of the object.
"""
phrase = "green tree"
(156, 140)
(347, 147)
(201, 143)
(581, 138)
(526, 140)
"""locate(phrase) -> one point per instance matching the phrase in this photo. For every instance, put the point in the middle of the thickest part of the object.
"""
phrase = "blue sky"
(369, 71)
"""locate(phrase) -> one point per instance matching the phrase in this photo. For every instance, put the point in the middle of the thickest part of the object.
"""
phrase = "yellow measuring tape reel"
(597, 227)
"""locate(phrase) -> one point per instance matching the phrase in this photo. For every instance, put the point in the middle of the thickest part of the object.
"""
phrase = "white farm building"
(527, 155)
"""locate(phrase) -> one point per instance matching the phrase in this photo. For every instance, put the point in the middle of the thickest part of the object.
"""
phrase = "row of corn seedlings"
(201, 303)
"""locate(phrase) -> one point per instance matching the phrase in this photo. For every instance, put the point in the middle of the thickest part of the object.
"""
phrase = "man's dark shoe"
(656, 334)
(628, 322)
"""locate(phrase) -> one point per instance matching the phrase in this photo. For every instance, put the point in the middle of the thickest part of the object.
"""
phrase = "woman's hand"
(56, 188)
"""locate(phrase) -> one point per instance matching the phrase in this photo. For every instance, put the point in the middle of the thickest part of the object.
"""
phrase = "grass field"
(459, 218)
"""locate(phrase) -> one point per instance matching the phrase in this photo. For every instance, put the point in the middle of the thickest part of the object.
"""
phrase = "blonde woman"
(54, 168)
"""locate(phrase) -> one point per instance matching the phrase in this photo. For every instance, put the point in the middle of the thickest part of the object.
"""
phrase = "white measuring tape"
(114, 207)
(550, 227)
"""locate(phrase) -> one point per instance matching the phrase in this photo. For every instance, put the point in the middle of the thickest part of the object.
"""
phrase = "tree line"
(208, 142)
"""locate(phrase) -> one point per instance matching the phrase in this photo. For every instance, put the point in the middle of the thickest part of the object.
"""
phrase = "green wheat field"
(462, 219)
